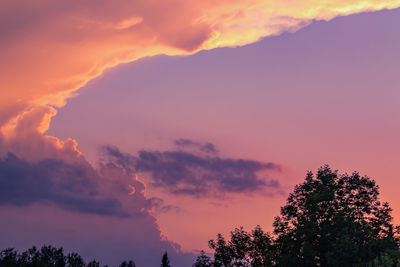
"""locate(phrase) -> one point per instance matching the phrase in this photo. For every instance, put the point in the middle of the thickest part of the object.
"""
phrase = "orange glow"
(143, 189)
(54, 48)
(50, 60)
(132, 188)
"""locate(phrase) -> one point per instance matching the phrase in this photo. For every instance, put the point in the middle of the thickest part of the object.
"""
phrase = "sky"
(138, 127)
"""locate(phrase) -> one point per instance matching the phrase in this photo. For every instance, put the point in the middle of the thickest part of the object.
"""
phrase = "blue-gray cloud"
(191, 173)
(77, 186)
(203, 147)
(69, 186)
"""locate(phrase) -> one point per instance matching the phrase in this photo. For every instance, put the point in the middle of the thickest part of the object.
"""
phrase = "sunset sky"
(130, 128)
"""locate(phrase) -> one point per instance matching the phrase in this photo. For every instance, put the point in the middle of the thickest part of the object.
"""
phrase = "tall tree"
(9, 257)
(47, 256)
(203, 260)
(243, 249)
(334, 220)
(329, 220)
(127, 264)
(165, 260)
(75, 260)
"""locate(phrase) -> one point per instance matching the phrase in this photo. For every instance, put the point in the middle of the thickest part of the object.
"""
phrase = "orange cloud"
(24, 137)
(49, 49)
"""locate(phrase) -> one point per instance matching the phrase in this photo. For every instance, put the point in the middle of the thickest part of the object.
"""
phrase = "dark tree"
(165, 260)
(329, 220)
(262, 248)
(127, 264)
(203, 260)
(334, 220)
(93, 263)
(9, 257)
(47, 256)
(50, 256)
(391, 258)
(74, 260)
(244, 249)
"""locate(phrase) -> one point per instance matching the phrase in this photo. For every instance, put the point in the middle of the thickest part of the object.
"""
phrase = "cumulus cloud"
(50, 194)
(49, 49)
(108, 191)
(40, 169)
(197, 174)
(25, 138)
(52, 181)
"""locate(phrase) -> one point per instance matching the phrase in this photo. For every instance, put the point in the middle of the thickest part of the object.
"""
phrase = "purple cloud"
(69, 186)
(203, 147)
(194, 174)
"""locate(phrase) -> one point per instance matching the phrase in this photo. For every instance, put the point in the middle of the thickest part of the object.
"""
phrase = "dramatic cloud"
(49, 49)
(72, 187)
(35, 168)
(50, 194)
(190, 173)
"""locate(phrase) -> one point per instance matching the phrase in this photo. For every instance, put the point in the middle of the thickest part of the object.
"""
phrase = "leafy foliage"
(47, 256)
(333, 220)
(203, 260)
(244, 249)
(127, 264)
(329, 220)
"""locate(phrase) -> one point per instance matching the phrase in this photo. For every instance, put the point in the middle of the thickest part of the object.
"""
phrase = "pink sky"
(217, 136)
(325, 94)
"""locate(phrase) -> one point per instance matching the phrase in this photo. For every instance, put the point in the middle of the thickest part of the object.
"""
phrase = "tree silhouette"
(329, 220)
(127, 264)
(244, 249)
(47, 256)
(203, 260)
(75, 260)
(93, 263)
(8, 257)
(165, 260)
(334, 220)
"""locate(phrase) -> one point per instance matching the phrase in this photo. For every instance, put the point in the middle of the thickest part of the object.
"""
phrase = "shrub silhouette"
(328, 220)
(47, 256)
